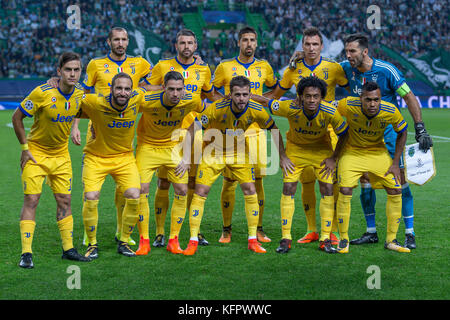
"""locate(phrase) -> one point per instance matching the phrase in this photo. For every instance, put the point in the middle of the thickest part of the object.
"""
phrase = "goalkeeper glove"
(422, 137)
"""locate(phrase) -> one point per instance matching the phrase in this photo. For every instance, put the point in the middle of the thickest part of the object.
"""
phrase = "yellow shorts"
(122, 168)
(57, 170)
(150, 159)
(307, 160)
(354, 162)
(207, 173)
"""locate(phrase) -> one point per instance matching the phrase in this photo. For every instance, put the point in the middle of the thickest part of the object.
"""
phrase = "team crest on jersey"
(29, 105)
(322, 123)
(325, 73)
(133, 68)
(258, 70)
(249, 120)
(204, 119)
(275, 106)
(411, 151)
(375, 77)
(197, 74)
(382, 124)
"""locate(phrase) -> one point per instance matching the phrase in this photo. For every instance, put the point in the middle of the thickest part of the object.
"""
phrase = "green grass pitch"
(227, 272)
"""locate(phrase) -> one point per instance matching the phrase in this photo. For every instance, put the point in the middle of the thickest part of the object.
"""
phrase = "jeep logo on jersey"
(255, 85)
(191, 87)
(121, 124)
(60, 118)
(167, 123)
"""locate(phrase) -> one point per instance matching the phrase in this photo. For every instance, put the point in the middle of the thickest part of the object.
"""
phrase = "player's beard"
(187, 54)
(358, 62)
(116, 51)
(248, 53)
(120, 104)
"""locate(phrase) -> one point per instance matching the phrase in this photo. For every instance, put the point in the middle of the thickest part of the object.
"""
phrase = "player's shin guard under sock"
(26, 234)
(90, 219)
(144, 216)
(408, 208)
(309, 205)
(343, 209)
(368, 199)
(287, 206)
(326, 209)
(227, 200)
(177, 214)
(259, 186)
(161, 207)
(65, 227)
(119, 201)
(129, 218)
(196, 214)
(252, 214)
(394, 214)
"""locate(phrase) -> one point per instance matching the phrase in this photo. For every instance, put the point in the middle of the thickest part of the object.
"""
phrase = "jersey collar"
(245, 65)
(118, 62)
(66, 96)
(313, 66)
(237, 115)
(118, 110)
(369, 118)
(162, 102)
(308, 117)
(185, 66)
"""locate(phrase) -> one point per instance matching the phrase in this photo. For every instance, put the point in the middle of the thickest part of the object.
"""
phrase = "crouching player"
(365, 151)
(45, 154)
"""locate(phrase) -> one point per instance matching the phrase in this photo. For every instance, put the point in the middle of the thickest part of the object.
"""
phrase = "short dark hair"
(363, 40)
(311, 32)
(239, 81)
(186, 32)
(246, 29)
(173, 75)
(68, 56)
(369, 86)
(312, 81)
(110, 33)
(121, 75)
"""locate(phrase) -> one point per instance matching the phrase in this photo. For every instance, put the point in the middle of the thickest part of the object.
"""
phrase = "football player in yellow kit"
(45, 154)
(260, 73)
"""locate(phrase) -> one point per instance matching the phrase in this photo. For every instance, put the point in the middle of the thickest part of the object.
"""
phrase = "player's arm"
(276, 93)
(188, 142)
(264, 100)
(422, 136)
(19, 129)
(330, 163)
(399, 147)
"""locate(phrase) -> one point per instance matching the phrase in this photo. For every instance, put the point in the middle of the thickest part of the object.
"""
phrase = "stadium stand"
(33, 34)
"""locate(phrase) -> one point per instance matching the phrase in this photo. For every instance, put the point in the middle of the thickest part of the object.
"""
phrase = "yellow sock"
(144, 216)
(326, 209)
(394, 215)
(259, 185)
(129, 218)
(287, 206)
(26, 234)
(65, 227)
(177, 214)
(196, 214)
(334, 224)
(119, 201)
(227, 199)
(161, 207)
(252, 214)
(309, 205)
(190, 194)
(90, 219)
(343, 214)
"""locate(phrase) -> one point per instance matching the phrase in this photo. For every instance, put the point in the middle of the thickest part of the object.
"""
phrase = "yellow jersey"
(309, 131)
(259, 72)
(328, 70)
(159, 121)
(53, 113)
(219, 115)
(368, 132)
(100, 71)
(114, 128)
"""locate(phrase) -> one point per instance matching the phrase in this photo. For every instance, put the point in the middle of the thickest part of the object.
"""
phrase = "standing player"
(364, 152)
(111, 153)
(197, 80)
(308, 145)
(313, 64)
(229, 119)
(163, 114)
(99, 74)
(45, 154)
(260, 73)
(361, 68)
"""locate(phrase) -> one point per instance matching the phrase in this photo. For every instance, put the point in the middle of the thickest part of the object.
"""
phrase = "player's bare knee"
(393, 191)
(145, 188)
(289, 188)
(180, 189)
(31, 201)
(92, 195)
(248, 189)
(132, 193)
(346, 191)
(326, 189)
(163, 184)
(202, 190)
(364, 178)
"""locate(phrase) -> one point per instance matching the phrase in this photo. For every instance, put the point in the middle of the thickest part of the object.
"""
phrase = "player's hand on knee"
(182, 168)
(422, 137)
(329, 167)
(75, 136)
(286, 165)
(25, 157)
(395, 170)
